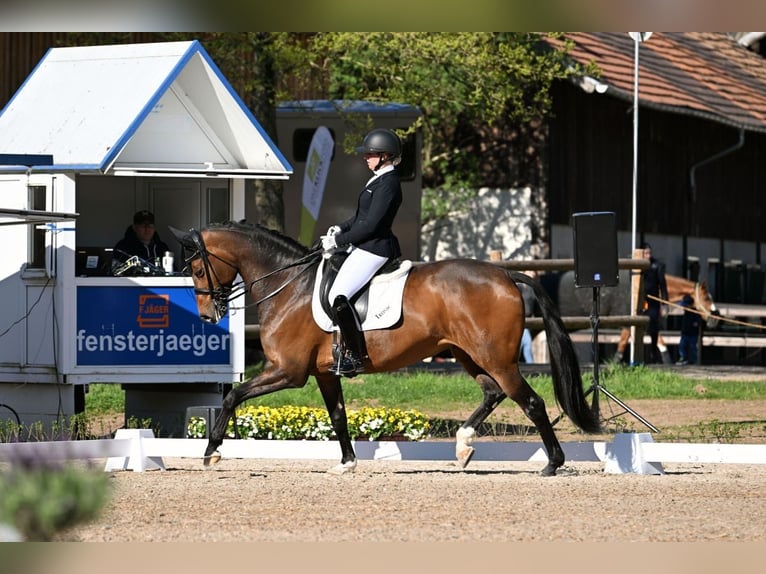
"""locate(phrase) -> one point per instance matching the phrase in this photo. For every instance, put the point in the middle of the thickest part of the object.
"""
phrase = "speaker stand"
(596, 387)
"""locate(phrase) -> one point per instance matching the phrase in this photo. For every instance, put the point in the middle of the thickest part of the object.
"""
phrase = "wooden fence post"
(636, 308)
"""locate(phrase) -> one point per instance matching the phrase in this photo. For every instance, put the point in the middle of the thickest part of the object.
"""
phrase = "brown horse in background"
(677, 288)
(472, 308)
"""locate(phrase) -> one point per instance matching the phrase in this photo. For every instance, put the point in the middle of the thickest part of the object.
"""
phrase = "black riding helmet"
(381, 141)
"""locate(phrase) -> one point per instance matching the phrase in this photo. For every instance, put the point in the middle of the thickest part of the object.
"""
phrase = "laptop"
(93, 261)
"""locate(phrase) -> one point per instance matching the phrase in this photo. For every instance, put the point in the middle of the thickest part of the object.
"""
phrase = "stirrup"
(346, 363)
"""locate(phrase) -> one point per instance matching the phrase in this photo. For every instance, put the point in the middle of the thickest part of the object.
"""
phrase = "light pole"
(638, 37)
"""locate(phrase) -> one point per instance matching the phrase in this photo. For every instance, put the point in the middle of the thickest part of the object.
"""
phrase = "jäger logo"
(154, 311)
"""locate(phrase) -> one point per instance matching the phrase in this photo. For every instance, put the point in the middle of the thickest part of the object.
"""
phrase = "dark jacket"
(132, 246)
(654, 281)
(370, 227)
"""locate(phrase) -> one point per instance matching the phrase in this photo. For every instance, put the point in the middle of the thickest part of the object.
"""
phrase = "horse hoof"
(465, 456)
(343, 468)
(212, 459)
(549, 470)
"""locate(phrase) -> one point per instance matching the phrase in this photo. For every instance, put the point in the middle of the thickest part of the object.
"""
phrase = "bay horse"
(472, 308)
(677, 288)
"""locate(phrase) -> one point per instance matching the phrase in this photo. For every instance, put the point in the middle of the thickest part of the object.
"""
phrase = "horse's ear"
(183, 237)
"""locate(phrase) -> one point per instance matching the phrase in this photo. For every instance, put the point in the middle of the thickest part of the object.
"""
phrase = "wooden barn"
(701, 142)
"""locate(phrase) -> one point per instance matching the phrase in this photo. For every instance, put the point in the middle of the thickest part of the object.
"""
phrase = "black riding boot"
(349, 357)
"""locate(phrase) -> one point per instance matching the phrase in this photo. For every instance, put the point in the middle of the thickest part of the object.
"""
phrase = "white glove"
(328, 242)
(333, 230)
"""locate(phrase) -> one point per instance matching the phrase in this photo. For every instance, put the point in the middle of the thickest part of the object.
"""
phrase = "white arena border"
(139, 450)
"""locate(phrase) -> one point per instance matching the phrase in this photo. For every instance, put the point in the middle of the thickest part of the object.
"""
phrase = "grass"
(438, 393)
(104, 399)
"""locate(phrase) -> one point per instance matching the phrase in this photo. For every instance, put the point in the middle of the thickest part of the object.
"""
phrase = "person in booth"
(140, 239)
(369, 241)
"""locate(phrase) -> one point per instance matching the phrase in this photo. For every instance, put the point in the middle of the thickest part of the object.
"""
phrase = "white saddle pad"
(384, 305)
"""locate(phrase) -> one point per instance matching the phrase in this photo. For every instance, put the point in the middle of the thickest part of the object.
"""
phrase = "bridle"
(709, 315)
(222, 294)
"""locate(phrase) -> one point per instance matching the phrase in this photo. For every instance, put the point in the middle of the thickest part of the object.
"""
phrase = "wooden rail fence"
(572, 323)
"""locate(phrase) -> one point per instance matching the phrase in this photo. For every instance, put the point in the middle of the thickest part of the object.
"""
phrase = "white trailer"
(296, 123)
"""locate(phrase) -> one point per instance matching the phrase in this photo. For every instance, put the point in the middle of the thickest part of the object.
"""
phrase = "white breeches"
(356, 271)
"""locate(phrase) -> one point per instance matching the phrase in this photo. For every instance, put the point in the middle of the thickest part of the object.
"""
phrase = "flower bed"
(306, 423)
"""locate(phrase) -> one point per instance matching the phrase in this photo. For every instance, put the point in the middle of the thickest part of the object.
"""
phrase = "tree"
(483, 96)
(480, 94)
(256, 64)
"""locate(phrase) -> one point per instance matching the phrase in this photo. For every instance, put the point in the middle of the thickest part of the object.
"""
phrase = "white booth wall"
(40, 378)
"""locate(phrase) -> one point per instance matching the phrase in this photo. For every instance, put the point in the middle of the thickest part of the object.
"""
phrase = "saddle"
(378, 304)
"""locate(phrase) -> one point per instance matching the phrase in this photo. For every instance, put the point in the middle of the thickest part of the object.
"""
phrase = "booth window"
(36, 259)
(217, 204)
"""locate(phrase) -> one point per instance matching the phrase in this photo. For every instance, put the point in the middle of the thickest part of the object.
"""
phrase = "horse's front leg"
(272, 379)
(332, 393)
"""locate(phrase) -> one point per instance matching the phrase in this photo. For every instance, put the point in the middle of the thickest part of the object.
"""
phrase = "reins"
(223, 295)
(302, 261)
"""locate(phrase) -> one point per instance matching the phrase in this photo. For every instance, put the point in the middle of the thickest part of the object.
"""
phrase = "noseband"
(220, 295)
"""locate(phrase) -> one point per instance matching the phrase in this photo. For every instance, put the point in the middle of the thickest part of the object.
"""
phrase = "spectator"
(690, 326)
(529, 310)
(655, 287)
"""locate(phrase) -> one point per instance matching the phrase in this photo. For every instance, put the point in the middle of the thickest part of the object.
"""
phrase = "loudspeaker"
(595, 247)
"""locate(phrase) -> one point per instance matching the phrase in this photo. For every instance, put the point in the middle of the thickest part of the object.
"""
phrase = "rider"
(369, 240)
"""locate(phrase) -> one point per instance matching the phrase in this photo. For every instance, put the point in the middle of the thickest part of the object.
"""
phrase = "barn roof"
(704, 74)
(158, 108)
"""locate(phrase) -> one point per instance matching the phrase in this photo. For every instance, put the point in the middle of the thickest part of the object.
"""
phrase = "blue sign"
(140, 325)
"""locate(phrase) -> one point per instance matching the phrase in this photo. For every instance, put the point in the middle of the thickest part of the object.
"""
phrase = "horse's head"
(704, 303)
(213, 275)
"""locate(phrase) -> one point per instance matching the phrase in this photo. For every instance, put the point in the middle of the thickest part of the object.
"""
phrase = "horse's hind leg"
(622, 345)
(534, 407)
(493, 396)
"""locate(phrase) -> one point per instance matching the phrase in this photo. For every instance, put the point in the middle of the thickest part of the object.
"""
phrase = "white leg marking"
(463, 439)
(343, 468)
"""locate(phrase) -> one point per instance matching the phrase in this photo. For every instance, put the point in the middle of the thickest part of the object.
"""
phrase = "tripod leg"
(628, 409)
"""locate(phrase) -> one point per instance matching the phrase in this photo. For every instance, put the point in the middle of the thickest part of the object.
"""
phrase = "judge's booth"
(126, 128)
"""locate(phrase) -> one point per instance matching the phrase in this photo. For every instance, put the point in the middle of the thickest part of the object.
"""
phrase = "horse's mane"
(268, 240)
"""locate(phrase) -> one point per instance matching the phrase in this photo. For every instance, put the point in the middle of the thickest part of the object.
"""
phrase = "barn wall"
(591, 169)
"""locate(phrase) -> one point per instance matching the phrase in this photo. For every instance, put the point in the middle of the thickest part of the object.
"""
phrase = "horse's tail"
(565, 368)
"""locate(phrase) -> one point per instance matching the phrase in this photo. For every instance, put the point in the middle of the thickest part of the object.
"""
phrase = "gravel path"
(434, 501)
(413, 501)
